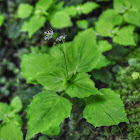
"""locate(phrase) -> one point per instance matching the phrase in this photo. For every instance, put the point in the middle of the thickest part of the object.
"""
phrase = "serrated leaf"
(24, 10)
(11, 131)
(33, 64)
(133, 17)
(33, 25)
(60, 20)
(81, 86)
(125, 36)
(105, 110)
(46, 110)
(16, 104)
(104, 46)
(81, 53)
(43, 5)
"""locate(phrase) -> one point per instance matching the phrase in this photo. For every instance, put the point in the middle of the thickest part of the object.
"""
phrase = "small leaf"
(4, 108)
(83, 24)
(11, 131)
(43, 5)
(46, 111)
(60, 20)
(125, 36)
(105, 110)
(133, 17)
(33, 25)
(81, 86)
(16, 104)
(24, 10)
(104, 46)
(1, 19)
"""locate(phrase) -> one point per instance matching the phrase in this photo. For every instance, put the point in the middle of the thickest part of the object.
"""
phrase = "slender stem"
(64, 53)
(62, 93)
(116, 124)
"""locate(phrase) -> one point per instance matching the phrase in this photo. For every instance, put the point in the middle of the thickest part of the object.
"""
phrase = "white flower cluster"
(48, 34)
(61, 38)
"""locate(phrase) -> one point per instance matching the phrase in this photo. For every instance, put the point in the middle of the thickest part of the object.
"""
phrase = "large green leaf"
(133, 17)
(47, 110)
(105, 110)
(81, 86)
(60, 20)
(125, 36)
(81, 53)
(52, 131)
(11, 131)
(24, 10)
(135, 4)
(33, 64)
(33, 25)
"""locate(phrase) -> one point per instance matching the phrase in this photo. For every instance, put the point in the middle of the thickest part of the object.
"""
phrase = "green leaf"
(135, 4)
(104, 46)
(105, 110)
(107, 22)
(81, 86)
(121, 5)
(103, 75)
(81, 53)
(83, 24)
(87, 7)
(16, 104)
(33, 25)
(53, 79)
(11, 131)
(24, 10)
(125, 36)
(47, 110)
(52, 131)
(133, 17)
(1, 19)
(43, 5)
(4, 108)
(101, 61)
(33, 64)
(60, 20)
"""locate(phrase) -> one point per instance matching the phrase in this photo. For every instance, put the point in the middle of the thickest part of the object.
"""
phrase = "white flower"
(61, 38)
(48, 34)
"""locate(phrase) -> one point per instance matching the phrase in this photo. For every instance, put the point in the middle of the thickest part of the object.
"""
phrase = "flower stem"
(64, 53)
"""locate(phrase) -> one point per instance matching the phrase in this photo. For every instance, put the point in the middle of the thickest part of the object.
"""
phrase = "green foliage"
(63, 70)
(108, 105)
(24, 10)
(11, 131)
(46, 111)
(1, 19)
(83, 24)
(11, 121)
(58, 16)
